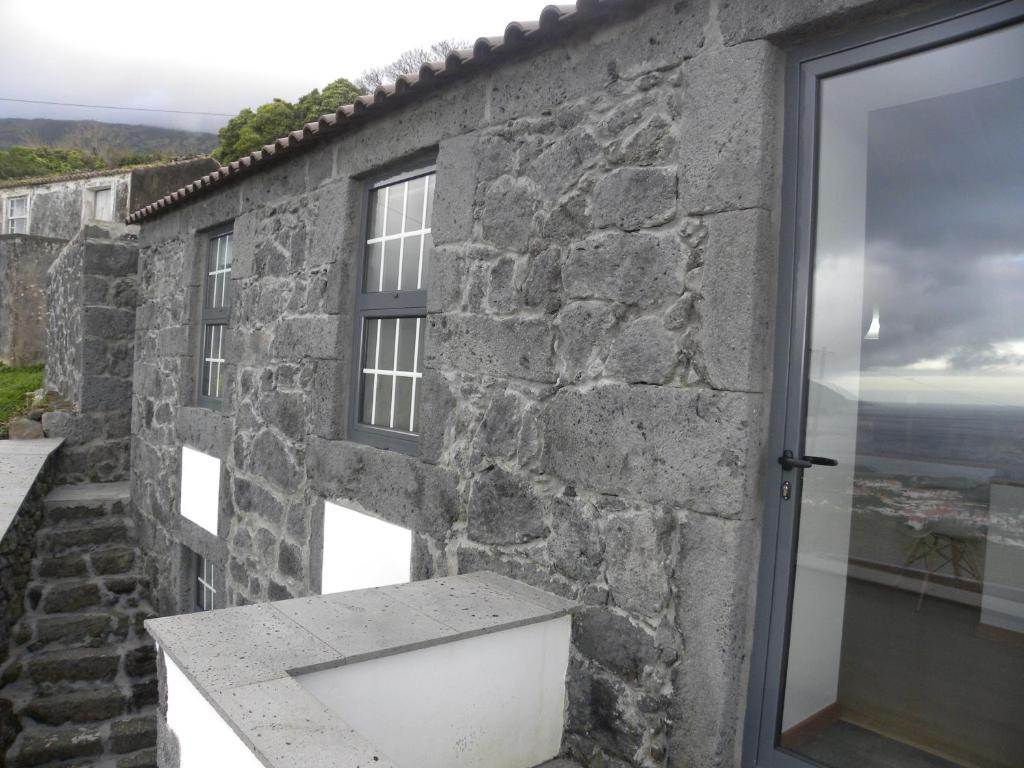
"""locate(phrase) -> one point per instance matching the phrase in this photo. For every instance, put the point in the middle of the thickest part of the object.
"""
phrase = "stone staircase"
(81, 674)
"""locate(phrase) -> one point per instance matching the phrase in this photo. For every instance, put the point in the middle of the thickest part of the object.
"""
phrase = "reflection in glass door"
(906, 635)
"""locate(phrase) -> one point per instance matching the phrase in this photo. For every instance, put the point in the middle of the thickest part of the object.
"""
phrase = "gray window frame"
(209, 316)
(805, 68)
(380, 305)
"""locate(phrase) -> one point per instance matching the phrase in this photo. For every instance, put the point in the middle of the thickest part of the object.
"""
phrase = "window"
(391, 306)
(216, 308)
(203, 584)
(16, 215)
(102, 204)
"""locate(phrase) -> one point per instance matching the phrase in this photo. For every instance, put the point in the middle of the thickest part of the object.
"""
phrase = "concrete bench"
(446, 673)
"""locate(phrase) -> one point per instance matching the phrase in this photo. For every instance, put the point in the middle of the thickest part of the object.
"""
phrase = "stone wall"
(23, 264)
(90, 327)
(56, 208)
(153, 182)
(600, 307)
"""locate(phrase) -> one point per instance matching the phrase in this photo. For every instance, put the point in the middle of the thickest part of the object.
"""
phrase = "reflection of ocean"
(930, 465)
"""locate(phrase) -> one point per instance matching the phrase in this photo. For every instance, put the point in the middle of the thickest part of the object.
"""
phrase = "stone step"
(109, 560)
(91, 705)
(72, 666)
(82, 630)
(42, 748)
(59, 540)
(91, 501)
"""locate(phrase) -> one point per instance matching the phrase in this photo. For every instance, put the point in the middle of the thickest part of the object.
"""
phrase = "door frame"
(805, 68)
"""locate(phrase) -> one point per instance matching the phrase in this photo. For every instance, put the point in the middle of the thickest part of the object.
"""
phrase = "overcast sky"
(213, 55)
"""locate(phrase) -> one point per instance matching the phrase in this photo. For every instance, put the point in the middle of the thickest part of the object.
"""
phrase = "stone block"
(543, 284)
(636, 556)
(86, 706)
(507, 213)
(253, 499)
(713, 584)
(730, 102)
(132, 735)
(298, 337)
(112, 561)
(20, 428)
(271, 458)
(67, 598)
(112, 259)
(574, 546)
(516, 347)
(73, 666)
(645, 352)
(454, 195)
(106, 393)
(140, 662)
(696, 449)
(398, 488)
(108, 323)
(738, 287)
(641, 269)
(67, 744)
(614, 642)
(635, 198)
(504, 509)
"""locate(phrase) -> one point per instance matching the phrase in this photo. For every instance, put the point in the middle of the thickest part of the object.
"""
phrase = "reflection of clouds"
(945, 233)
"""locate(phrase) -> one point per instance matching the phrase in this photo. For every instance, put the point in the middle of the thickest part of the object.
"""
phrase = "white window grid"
(401, 236)
(218, 272)
(394, 372)
(205, 591)
(213, 361)
(16, 215)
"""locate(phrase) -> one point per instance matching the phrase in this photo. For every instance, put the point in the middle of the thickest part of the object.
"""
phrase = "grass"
(14, 384)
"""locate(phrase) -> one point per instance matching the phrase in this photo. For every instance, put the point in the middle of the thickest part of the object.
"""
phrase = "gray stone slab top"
(20, 464)
(243, 660)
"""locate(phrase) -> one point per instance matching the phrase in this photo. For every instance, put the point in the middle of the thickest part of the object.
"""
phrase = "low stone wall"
(90, 327)
(24, 261)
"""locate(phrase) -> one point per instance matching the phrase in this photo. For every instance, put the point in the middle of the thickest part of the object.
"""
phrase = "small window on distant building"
(16, 215)
(391, 306)
(102, 204)
(203, 588)
(216, 309)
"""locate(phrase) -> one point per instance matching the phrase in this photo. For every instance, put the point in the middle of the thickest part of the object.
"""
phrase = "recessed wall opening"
(361, 551)
(200, 488)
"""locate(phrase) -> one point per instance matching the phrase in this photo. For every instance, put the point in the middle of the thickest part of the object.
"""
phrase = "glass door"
(902, 473)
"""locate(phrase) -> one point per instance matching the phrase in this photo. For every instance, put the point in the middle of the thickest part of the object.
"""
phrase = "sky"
(213, 55)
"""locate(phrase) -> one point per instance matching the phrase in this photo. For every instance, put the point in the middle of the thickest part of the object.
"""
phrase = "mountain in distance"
(109, 141)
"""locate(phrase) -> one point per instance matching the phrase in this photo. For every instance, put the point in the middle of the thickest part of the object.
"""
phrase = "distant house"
(40, 215)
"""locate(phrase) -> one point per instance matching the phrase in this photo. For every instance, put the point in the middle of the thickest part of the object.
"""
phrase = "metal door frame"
(805, 68)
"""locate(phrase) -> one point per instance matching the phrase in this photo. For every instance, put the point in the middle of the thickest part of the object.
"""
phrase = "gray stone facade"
(90, 324)
(23, 264)
(598, 358)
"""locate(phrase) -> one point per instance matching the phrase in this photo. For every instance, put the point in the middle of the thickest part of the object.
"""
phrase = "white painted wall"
(200, 488)
(361, 551)
(1002, 599)
(204, 737)
(496, 700)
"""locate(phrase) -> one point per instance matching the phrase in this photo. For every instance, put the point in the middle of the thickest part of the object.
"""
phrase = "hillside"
(109, 141)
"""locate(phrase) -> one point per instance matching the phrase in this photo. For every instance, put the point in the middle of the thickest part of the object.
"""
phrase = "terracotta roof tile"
(554, 22)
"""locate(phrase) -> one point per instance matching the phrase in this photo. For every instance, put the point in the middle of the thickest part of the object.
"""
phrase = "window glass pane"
(411, 263)
(18, 207)
(396, 205)
(430, 201)
(218, 272)
(382, 407)
(403, 403)
(388, 331)
(415, 203)
(213, 360)
(370, 345)
(366, 405)
(19, 226)
(200, 568)
(103, 209)
(374, 252)
(407, 339)
(377, 201)
(392, 251)
(428, 251)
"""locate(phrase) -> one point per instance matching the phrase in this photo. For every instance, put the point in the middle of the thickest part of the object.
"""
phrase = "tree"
(22, 162)
(249, 130)
(407, 63)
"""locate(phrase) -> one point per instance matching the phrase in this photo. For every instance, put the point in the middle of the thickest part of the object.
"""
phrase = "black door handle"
(790, 462)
